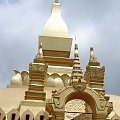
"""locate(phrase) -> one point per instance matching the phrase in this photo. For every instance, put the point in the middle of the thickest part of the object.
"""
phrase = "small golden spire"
(39, 56)
(77, 73)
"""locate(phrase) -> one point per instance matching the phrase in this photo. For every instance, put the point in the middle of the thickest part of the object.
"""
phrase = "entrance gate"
(98, 104)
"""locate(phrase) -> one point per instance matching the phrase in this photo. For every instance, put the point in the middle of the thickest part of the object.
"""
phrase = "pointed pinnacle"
(77, 74)
(92, 55)
(76, 48)
(56, 1)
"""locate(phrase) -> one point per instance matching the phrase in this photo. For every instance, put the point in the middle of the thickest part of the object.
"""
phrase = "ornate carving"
(57, 93)
(102, 103)
(37, 67)
(79, 87)
(95, 72)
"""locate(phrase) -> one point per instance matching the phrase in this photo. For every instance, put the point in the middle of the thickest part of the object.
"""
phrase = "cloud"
(97, 24)
(19, 25)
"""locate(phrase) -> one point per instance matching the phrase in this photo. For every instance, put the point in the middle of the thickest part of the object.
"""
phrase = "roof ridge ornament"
(56, 1)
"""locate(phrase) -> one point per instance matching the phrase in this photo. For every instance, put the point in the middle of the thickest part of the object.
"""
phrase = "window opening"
(27, 116)
(13, 116)
(42, 117)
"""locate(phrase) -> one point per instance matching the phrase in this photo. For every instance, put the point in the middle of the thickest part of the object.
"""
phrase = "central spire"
(55, 26)
(55, 37)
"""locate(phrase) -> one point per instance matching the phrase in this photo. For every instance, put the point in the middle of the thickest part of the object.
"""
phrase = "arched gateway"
(98, 104)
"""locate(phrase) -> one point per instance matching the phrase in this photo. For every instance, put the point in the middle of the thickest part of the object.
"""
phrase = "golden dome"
(16, 79)
(54, 81)
(55, 26)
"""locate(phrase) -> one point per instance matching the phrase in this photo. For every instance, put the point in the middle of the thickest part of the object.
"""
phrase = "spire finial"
(77, 74)
(76, 48)
(56, 1)
(93, 60)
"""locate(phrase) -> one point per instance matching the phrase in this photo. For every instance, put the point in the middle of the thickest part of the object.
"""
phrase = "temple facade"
(55, 87)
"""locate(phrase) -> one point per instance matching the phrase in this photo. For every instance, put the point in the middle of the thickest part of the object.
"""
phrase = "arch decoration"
(98, 103)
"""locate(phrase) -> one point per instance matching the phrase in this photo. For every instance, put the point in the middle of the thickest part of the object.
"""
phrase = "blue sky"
(95, 23)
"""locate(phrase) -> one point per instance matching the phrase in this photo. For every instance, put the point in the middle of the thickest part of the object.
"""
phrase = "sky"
(95, 23)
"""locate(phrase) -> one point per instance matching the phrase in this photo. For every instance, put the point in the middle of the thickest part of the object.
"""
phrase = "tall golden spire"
(77, 73)
(54, 37)
(56, 26)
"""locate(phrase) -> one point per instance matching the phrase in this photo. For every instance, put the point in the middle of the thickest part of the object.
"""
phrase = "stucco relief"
(59, 97)
(37, 67)
(79, 87)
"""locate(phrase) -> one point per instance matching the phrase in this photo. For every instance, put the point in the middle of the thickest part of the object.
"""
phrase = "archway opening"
(41, 117)
(27, 116)
(76, 109)
(85, 100)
